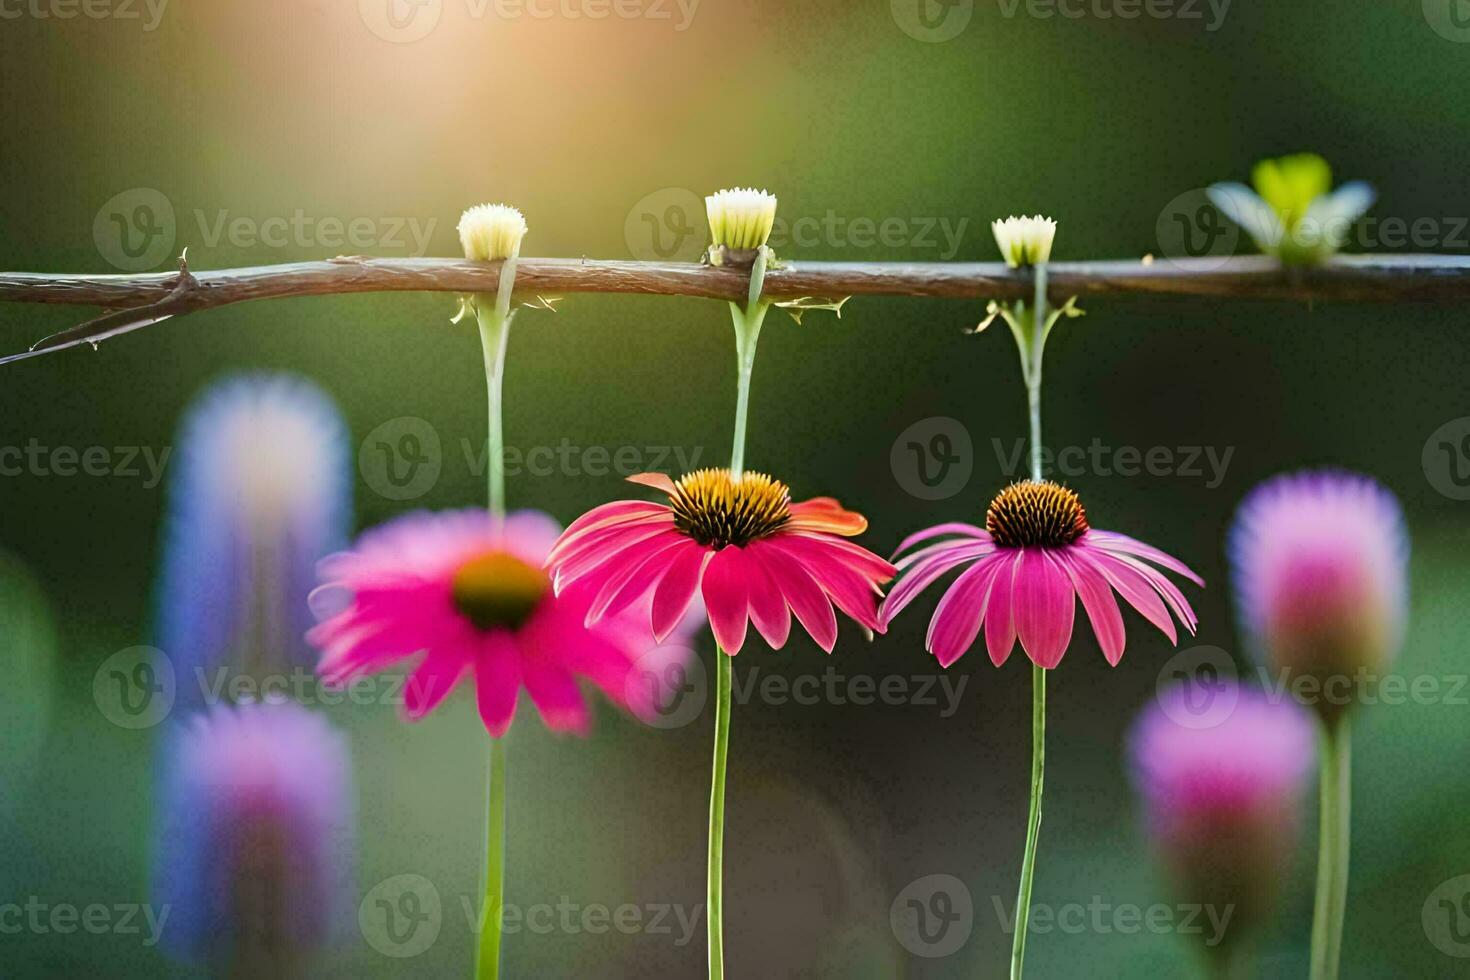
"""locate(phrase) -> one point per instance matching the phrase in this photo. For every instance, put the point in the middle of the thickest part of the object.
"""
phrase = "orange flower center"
(1035, 514)
(717, 510)
(497, 590)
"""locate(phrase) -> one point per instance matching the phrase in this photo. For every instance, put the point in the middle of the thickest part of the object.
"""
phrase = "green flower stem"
(714, 898)
(1333, 846)
(1032, 373)
(494, 316)
(747, 322)
(487, 959)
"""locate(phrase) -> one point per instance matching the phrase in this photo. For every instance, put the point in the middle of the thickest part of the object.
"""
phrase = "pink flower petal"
(641, 570)
(803, 595)
(1133, 587)
(1122, 543)
(677, 589)
(957, 618)
(1102, 609)
(606, 547)
(923, 574)
(601, 518)
(554, 692)
(1000, 617)
(1166, 589)
(953, 527)
(431, 682)
(726, 598)
(767, 606)
(497, 683)
(855, 594)
(1045, 605)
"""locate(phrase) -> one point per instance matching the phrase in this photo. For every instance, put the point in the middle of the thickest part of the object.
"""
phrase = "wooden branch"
(139, 300)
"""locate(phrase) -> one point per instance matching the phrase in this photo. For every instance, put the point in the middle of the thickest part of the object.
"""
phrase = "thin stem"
(487, 961)
(747, 331)
(714, 899)
(494, 316)
(1333, 848)
(747, 320)
(494, 336)
(1038, 676)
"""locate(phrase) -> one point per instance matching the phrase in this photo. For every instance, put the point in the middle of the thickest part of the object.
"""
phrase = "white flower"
(741, 218)
(491, 231)
(1024, 241)
(1293, 213)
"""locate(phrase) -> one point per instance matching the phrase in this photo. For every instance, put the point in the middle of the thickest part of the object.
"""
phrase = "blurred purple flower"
(1320, 567)
(255, 843)
(261, 490)
(1223, 801)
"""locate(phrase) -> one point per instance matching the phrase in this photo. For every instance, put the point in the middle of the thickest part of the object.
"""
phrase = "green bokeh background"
(259, 110)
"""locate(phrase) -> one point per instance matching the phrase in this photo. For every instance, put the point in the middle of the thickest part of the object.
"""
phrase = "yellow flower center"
(497, 590)
(717, 510)
(1032, 514)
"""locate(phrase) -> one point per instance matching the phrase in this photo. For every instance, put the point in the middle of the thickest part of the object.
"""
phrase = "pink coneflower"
(1319, 562)
(742, 543)
(467, 590)
(1035, 553)
(1223, 802)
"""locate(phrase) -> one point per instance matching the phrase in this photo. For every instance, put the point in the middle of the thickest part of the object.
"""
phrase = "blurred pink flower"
(1034, 555)
(469, 593)
(1320, 568)
(741, 542)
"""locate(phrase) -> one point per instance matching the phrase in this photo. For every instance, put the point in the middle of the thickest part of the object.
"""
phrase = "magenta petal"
(923, 574)
(767, 606)
(431, 682)
(1097, 599)
(1113, 541)
(554, 692)
(957, 618)
(854, 593)
(953, 527)
(641, 570)
(674, 593)
(803, 595)
(1166, 589)
(726, 598)
(1000, 618)
(1134, 588)
(497, 684)
(1044, 605)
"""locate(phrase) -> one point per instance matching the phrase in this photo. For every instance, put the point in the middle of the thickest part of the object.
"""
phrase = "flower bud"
(740, 219)
(490, 232)
(1024, 241)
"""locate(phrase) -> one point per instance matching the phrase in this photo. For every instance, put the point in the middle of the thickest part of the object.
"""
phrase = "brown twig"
(139, 300)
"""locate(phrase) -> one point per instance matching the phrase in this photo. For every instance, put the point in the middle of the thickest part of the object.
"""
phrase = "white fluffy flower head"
(491, 231)
(741, 218)
(1024, 241)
